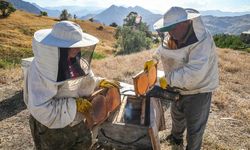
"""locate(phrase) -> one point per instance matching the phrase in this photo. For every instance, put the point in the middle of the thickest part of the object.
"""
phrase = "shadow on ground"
(11, 106)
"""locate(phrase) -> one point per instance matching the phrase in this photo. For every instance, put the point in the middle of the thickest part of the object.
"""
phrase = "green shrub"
(43, 13)
(230, 41)
(113, 24)
(98, 56)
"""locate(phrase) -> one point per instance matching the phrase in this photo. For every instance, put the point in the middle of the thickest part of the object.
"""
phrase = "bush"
(113, 24)
(229, 41)
(156, 39)
(98, 56)
(100, 28)
(91, 19)
(43, 13)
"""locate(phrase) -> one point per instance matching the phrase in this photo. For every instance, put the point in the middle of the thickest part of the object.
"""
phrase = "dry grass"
(234, 83)
(121, 68)
(229, 123)
(17, 30)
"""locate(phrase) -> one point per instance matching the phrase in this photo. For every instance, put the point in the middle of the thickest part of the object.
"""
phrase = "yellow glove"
(148, 64)
(109, 83)
(163, 82)
(83, 105)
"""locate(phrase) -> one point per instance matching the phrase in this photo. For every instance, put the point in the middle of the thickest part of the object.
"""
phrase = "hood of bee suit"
(42, 77)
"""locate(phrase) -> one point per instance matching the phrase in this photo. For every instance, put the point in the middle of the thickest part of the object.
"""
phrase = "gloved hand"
(163, 82)
(104, 83)
(148, 64)
(163, 94)
(83, 105)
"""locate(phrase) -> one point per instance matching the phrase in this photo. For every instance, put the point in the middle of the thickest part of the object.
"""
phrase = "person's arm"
(191, 74)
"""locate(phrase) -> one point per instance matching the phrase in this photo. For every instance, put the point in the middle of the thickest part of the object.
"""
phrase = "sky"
(154, 5)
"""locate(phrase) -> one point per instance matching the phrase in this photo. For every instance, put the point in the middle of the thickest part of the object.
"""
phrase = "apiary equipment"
(136, 123)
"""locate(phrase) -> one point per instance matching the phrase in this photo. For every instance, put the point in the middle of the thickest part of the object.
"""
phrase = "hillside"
(26, 6)
(230, 25)
(17, 30)
(219, 13)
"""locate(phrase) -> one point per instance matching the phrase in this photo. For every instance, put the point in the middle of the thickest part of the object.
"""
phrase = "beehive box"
(138, 120)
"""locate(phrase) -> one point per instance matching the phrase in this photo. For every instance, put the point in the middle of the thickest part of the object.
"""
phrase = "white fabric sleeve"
(189, 76)
(55, 113)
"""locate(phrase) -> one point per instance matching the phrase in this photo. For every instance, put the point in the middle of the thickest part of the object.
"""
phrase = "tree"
(130, 19)
(91, 19)
(65, 15)
(43, 13)
(134, 35)
(6, 8)
(113, 24)
(130, 41)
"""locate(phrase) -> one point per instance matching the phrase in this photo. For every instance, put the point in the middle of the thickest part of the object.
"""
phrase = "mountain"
(219, 13)
(229, 25)
(87, 17)
(51, 12)
(118, 13)
(77, 10)
(26, 6)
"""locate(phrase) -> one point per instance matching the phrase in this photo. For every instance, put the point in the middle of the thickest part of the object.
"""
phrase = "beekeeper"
(55, 86)
(189, 60)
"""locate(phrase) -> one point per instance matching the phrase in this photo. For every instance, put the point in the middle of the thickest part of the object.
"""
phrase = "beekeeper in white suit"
(189, 59)
(57, 80)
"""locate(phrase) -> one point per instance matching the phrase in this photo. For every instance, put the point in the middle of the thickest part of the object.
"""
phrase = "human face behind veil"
(74, 62)
(180, 35)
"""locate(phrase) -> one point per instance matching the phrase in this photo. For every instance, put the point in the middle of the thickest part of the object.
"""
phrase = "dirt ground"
(229, 122)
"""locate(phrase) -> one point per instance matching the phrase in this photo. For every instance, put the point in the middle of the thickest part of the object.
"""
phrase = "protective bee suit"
(54, 81)
(190, 67)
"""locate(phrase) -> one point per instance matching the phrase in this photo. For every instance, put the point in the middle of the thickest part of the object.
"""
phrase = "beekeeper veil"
(61, 54)
(74, 62)
(167, 28)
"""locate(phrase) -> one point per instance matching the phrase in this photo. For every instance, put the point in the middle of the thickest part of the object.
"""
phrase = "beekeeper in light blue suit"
(57, 81)
(189, 59)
